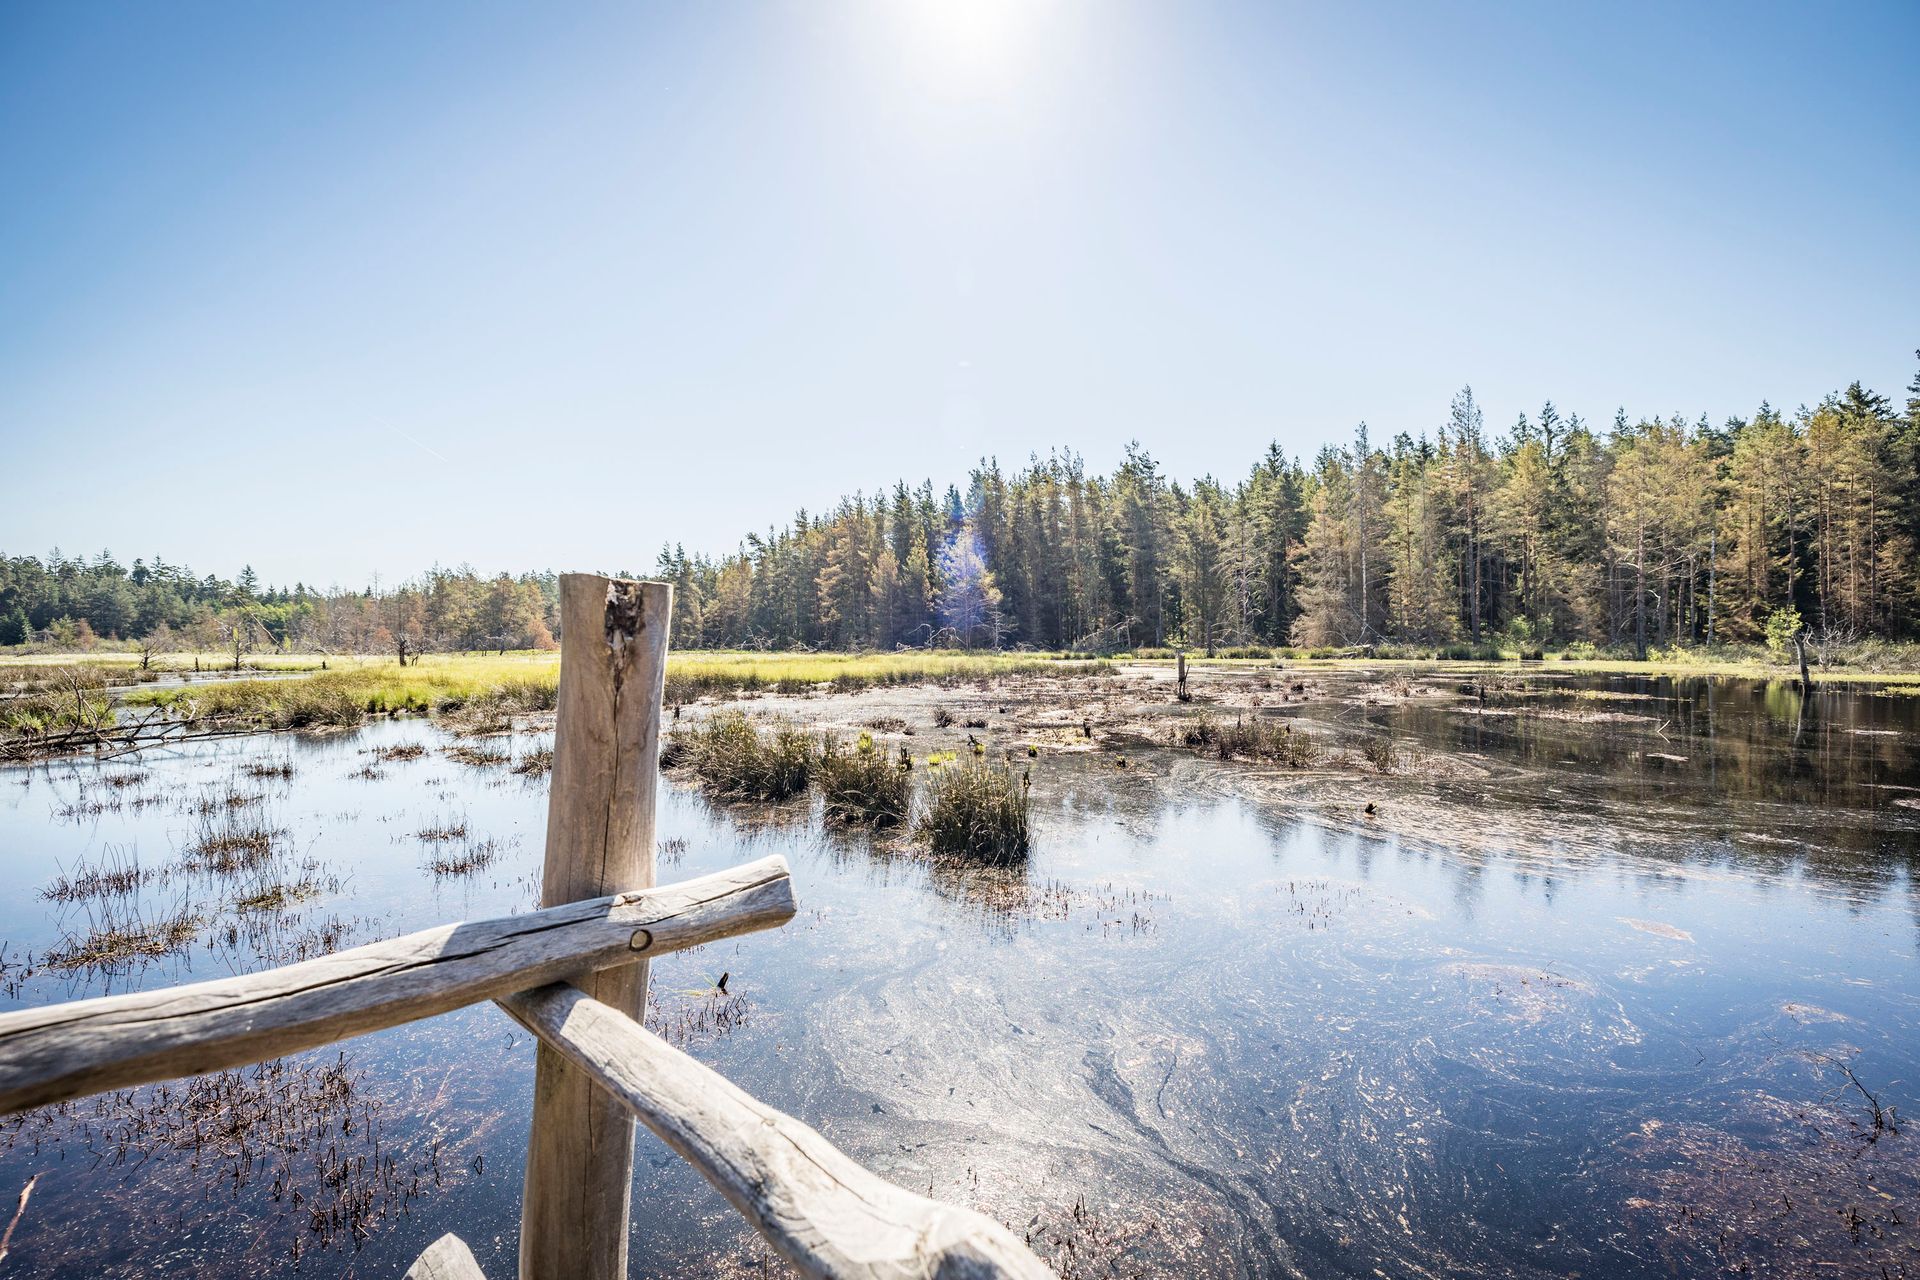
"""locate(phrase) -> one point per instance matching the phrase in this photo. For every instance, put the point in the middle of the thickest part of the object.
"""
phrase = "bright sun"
(974, 35)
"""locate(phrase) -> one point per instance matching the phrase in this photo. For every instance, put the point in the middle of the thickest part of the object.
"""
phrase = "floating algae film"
(1390, 973)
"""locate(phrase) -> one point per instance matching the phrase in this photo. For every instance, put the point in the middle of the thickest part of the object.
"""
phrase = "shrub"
(1782, 626)
(978, 812)
(861, 785)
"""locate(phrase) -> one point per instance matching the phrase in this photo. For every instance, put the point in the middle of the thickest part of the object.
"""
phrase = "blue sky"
(355, 288)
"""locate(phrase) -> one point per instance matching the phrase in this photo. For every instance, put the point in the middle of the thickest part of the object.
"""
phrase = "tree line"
(1650, 532)
(72, 603)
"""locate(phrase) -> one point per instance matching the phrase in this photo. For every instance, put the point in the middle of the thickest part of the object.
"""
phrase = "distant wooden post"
(606, 754)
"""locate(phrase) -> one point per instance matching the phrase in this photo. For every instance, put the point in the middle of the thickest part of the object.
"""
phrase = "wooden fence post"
(606, 753)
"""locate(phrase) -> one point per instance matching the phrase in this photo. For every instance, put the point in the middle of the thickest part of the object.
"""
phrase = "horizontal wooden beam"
(824, 1212)
(113, 1042)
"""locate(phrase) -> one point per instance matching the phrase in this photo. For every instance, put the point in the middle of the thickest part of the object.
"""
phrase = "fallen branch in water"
(122, 739)
(6, 1240)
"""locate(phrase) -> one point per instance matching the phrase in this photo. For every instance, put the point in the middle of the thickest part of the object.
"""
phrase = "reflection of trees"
(1741, 757)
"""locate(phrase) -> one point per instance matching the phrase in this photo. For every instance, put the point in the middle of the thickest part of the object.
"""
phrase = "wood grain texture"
(447, 1258)
(823, 1212)
(113, 1042)
(600, 817)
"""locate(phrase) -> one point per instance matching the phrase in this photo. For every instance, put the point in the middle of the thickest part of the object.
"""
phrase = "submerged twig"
(6, 1240)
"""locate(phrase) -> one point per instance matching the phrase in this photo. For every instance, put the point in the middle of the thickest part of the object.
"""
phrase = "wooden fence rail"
(574, 973)
(115, 1042)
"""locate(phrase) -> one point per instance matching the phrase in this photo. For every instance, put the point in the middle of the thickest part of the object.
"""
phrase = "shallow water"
(1581, 998)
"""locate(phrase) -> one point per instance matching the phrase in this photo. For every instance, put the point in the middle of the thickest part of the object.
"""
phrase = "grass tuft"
(978, 812)
(229, 843)
(1255, 739)
(738, 761)
(862, 786)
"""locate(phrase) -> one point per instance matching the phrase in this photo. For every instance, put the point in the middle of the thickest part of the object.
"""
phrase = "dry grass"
(229, 843)
(464, 861)
(477, 757)
(120, 937)
(117, 874)
(1251, 739)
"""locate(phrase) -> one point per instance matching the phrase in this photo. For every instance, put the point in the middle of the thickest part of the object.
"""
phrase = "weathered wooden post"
(606, 753)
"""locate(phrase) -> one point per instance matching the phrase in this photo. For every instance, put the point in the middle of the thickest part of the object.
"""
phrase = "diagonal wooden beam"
(823, 1211)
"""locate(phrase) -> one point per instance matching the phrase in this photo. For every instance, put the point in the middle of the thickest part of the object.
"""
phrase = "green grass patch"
(486, 690)
(707, 674)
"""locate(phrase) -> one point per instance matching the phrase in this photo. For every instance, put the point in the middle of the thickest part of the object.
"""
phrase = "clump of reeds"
(443, 830)
(116, 874)
(121, 936)
(230, 843)
(737, 760)
(686, 1021)
(518, 696)
(398, 753)
(537, 763)
(976, 811)
(862, 784)
(265, 770)
(1198, 734)
(464, 861)
(942, 718)
(216, 800)
(275, 895)
(1254, 739)
(1381, 754)
(478, 757)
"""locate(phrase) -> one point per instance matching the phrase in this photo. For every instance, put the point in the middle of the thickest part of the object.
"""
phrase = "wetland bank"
(1390, 968)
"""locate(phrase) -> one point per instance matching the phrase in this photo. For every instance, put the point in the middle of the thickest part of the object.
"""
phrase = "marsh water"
(1619, 977)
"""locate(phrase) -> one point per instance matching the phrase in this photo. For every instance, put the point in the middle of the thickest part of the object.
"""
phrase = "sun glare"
(973, 37)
